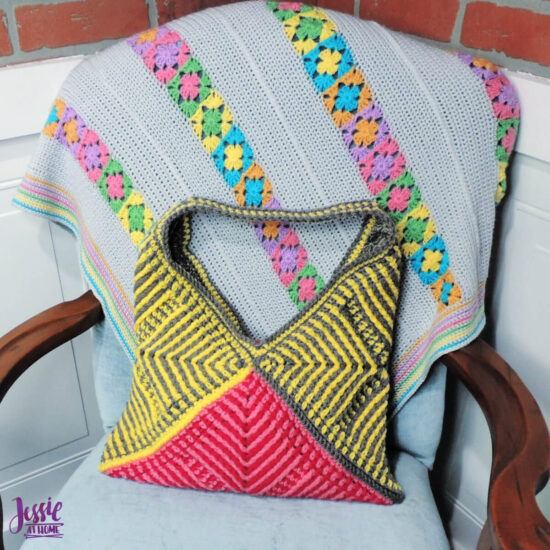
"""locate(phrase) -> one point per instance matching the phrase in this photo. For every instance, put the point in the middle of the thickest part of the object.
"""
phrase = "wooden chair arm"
(521, 449)
(28, 342)
(25, 344)
(521, 443)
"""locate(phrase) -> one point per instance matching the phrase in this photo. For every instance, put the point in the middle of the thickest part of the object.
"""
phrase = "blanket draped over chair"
(284, 105)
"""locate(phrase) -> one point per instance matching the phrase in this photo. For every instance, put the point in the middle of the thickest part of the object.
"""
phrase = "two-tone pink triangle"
(249, 441)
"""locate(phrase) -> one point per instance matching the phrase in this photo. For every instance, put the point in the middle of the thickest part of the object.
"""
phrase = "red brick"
(429, 18)
(5, 42)
(345, 6)
(172, 9)
(514, 31)
(56, 25)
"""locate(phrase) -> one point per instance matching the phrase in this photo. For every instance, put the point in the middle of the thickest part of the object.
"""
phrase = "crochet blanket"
(284, 105)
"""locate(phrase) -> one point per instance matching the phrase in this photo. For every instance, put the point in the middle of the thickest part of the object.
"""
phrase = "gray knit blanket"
(284, 105)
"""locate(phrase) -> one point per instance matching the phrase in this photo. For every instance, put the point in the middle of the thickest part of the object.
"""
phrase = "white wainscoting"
(519, 319)
(49, 420)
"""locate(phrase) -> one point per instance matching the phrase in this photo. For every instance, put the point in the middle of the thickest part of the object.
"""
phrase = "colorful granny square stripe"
(189, 87)
(505, 108)
(364, 133)
(66, 126)
(135, 217)
(169, 59)
(115, 185)
(92, 155)
(211, 121)
(233, 156)
(52, 123)
(328, 62)
(304, 26)
(70, 129)
(349, 101)
(348, 96)
(167, 54)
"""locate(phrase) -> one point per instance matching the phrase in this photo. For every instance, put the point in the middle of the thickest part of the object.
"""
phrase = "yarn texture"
(280, 106)
(300, 413)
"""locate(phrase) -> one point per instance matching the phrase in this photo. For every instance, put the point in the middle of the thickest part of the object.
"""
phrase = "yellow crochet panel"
(328, 364)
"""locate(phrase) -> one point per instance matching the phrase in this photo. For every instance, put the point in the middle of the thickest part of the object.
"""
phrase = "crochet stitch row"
(349, 100)
(66, 126)
(169, 58)
(505, 106)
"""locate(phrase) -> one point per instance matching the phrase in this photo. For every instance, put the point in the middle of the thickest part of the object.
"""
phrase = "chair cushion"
(103, 512)
(416, 429)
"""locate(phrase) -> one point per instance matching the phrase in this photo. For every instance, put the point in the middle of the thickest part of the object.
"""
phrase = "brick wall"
(513, 33)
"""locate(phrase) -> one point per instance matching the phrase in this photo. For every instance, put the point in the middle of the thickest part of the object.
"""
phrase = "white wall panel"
(518, 321)
(521, 306)
(28, 90)
(49, 420)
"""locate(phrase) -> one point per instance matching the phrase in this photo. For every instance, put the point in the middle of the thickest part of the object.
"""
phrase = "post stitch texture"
(301, 413)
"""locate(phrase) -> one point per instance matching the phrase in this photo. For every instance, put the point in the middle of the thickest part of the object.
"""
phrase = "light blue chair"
(100, 512)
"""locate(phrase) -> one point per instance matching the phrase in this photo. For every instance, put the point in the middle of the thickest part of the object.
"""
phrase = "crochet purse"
(301, 413)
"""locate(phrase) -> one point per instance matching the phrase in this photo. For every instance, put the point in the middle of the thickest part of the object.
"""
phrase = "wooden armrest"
(521, 442)
(521, 449)
(26, 343)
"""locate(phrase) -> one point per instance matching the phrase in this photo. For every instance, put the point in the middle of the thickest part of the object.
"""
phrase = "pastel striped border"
(365, 131)
(505, 105)
(455, 328)
(45, 198)
(168, 57)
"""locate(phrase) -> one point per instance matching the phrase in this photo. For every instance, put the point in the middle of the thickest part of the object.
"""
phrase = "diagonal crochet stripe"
(505, 105)
(249, 441)
(351, 104)
(168, 57)
(68, 128)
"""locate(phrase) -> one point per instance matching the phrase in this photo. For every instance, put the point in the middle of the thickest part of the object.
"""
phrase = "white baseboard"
(46, 469)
